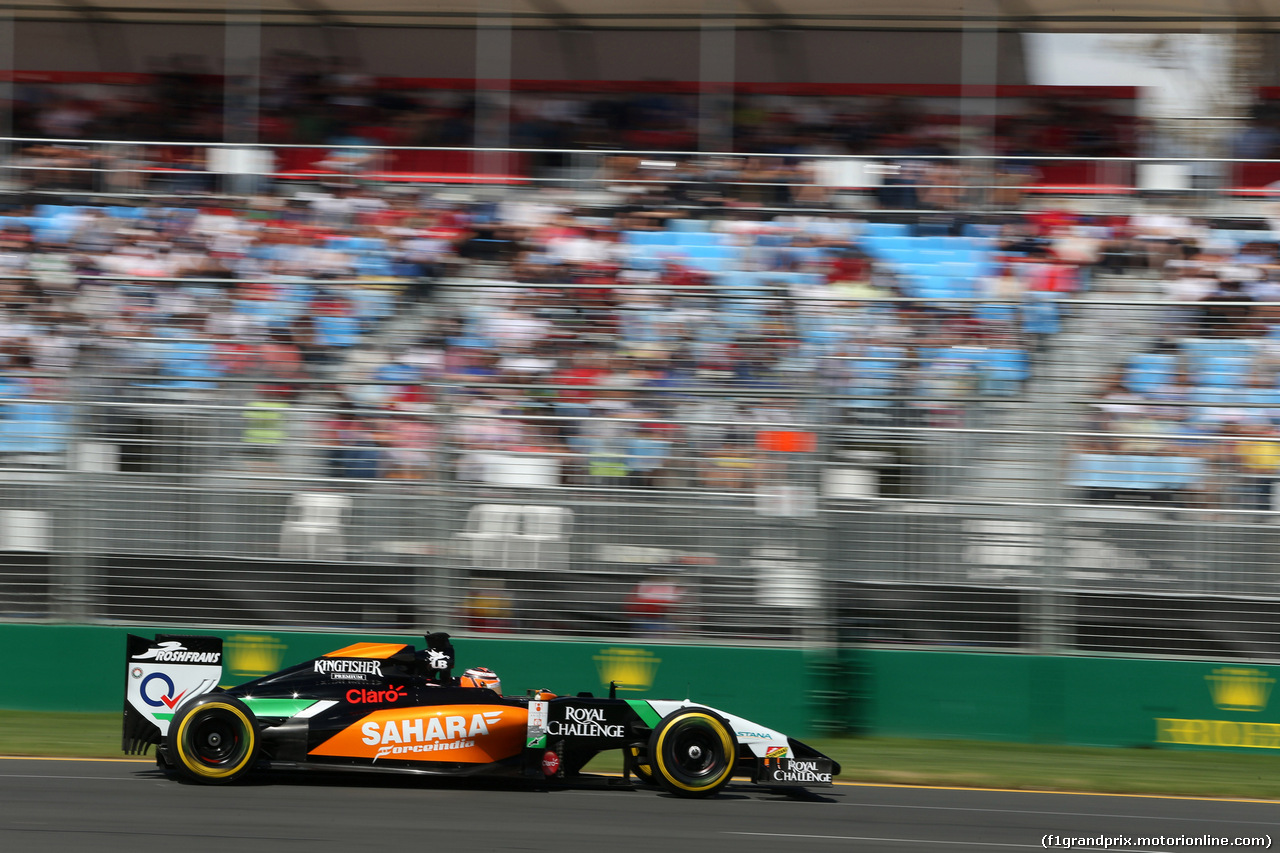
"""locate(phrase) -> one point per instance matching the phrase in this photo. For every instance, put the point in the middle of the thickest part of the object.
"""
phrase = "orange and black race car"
(387, 707)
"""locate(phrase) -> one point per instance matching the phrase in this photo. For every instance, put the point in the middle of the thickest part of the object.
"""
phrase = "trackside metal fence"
(768, 467)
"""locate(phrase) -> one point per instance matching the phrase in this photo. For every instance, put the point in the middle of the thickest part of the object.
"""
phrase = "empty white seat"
(315, 525)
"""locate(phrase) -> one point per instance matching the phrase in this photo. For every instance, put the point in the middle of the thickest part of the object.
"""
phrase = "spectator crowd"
(1192, 419)
(640, 349)
(668, 341)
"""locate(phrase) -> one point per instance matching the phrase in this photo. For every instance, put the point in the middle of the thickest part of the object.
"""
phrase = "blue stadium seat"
(1223, 371)
(1199, 349)
(706, 264)
(696, 238)
(1003, 371)
(34, 427)
(1208, 396)
(890, 248)
(337, 331)
(1149, 370)
(1096, 471)
(1118, 472)
(886, 229)
(371, 305)
(996, 313)
(709, 251)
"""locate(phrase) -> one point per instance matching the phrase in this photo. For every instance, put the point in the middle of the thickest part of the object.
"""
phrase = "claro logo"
(360, 696)
(435, 734)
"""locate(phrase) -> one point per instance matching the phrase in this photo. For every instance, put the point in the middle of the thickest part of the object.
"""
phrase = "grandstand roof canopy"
(1037, 15)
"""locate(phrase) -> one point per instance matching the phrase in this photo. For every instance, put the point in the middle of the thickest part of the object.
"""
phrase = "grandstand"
(837, 373)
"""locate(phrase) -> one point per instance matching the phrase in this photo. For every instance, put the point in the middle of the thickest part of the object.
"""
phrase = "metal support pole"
(716, 74)
(242, 62)
(979, 73)
(493, 88)
(7, 24)
(71, 582)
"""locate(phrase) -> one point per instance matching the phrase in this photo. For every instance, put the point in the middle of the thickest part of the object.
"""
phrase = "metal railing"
(719, 466)
(670, 180)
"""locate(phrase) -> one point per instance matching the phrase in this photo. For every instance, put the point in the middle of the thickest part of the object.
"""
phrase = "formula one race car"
(386, 707)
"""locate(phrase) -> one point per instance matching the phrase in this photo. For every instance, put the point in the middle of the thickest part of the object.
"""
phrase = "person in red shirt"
(655, 603)
(586, 370)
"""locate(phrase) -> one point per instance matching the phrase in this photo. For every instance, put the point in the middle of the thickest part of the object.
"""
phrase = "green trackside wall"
(1082, 701)
(82, 668)
(1085, 701)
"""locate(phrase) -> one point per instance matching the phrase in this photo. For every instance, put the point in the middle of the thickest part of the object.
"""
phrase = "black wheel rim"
(694, 752)
(216, 739)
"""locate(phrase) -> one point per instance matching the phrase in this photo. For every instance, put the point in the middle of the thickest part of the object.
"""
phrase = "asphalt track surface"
(57, 805)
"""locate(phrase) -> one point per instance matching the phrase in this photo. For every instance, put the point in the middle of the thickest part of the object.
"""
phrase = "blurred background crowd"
(348, 316)
(581, 348)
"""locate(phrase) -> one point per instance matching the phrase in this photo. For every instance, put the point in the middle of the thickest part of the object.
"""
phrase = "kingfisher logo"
(437, 734)
(348, 669)
(359, 696)
(172, 651)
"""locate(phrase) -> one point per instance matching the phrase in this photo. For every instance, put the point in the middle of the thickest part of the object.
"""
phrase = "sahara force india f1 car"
(388, 708)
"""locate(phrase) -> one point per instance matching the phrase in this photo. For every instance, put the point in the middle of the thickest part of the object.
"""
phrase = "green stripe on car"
(277, 707)
(645, 711)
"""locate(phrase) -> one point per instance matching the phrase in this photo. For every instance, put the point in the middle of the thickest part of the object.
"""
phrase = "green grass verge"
(908, 762)
(61, 734)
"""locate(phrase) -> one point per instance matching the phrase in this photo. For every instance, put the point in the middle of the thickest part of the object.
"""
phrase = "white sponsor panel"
(156, 690)
(759, 738)
(584, 722)
(799, 771)
(537, 726)
(172, 651)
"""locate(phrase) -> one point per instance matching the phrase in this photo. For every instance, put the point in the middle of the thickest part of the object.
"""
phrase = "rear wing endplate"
(160, 675)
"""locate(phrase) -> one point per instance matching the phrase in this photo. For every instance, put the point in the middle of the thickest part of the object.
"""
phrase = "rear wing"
(160, 675)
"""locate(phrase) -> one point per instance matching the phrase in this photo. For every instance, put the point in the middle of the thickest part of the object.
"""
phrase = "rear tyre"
(691, 753)
(213, 740)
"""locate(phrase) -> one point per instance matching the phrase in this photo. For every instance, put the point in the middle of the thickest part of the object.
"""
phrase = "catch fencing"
(937, 184)
(857, 470)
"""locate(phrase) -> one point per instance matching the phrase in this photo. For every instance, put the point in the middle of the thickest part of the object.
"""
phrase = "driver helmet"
(482, 676)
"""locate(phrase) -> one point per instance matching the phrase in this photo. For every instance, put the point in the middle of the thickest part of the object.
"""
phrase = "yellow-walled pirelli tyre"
(213, 740)
(691, 752)
(640, 765)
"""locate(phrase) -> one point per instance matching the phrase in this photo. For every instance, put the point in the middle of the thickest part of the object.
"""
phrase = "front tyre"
(640, 765)
(213, 740)
(691, 753)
